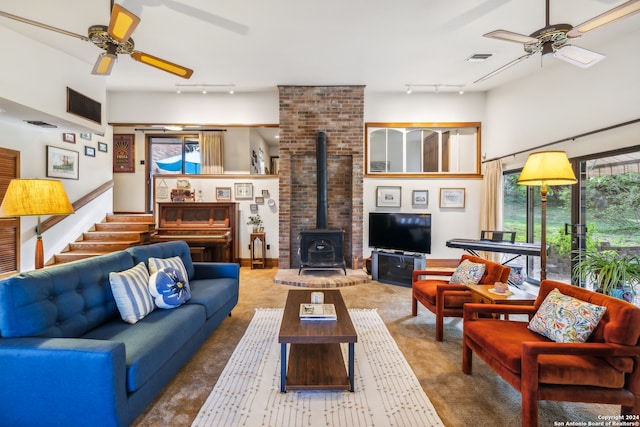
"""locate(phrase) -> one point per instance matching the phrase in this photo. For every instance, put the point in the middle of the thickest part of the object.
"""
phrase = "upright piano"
(210, 229)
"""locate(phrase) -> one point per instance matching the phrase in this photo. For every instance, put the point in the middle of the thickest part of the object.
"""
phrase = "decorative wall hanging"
(123, 153)
(388, 197)
(452, 197)
(62, 163)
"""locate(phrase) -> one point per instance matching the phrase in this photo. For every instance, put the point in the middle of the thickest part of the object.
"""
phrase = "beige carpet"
(387, 393)
(482, 399)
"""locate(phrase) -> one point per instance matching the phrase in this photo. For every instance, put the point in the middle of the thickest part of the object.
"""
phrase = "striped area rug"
(248, 390)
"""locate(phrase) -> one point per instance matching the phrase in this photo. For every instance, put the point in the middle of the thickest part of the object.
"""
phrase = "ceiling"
(256, 46)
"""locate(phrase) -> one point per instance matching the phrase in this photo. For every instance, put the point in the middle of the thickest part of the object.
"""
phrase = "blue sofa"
(68, 359)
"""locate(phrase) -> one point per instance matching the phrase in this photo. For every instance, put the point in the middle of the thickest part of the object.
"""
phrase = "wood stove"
(322, 248)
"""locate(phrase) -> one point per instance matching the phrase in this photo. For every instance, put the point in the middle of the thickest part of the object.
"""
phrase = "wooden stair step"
(113, 235)
(146, 218)
(101, 246)
(75, 255)
(124, 226)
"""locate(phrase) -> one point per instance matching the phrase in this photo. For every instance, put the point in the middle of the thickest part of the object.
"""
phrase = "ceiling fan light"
(104, 64)
(122, 23)
(615, 14)
(578, 56)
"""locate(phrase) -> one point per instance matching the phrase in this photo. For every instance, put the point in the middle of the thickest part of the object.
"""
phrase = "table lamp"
(27, 197)
(546, 168)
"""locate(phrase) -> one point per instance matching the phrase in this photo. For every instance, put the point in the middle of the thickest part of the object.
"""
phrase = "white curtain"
(491, 201)
(211, 152)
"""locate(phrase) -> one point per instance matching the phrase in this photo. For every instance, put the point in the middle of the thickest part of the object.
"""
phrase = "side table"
(258, 260)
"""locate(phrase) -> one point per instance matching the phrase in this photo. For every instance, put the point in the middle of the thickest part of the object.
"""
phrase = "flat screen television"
(407, 232)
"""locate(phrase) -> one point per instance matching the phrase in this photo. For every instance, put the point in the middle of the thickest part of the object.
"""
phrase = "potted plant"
(611, 273)
(255, 221)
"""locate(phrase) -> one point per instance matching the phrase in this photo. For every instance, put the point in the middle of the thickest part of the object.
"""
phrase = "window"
(423, 148)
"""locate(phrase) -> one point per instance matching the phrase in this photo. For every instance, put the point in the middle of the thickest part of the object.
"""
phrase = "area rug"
(320, 278)
(387, 392)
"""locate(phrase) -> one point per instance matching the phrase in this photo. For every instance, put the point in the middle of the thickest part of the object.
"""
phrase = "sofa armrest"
(471, 309)
(531, 350)
(415, 276)
(216, 270)
(68, 381)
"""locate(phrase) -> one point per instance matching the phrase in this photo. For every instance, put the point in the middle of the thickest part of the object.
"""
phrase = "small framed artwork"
(260, 200)
(265, 193)
(452, 197)
(123, 153)
(62, 163)
(69, 137)
(223, 193)
(420, 198)
(243, 190)
(102, 146)
(89, 151)
(388, 197)
(253, 207)
(86, 136)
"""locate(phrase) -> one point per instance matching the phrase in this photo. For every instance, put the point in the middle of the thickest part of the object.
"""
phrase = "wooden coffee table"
(315, 357)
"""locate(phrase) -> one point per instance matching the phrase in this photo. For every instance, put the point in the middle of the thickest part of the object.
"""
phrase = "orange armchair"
(604, 369)
(445, 299)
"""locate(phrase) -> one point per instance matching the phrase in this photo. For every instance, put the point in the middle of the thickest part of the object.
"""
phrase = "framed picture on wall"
(388, 197)
(452, 197)
(223, 193)
(420, 198)
(102, 146)
(89, 151)
(62, 163)
(69, 137)
(243, 190)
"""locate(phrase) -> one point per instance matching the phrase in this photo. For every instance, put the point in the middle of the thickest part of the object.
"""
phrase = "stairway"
(115, 233)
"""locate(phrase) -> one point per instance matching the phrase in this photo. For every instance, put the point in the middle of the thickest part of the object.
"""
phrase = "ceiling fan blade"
(43, 26)
(510, 37)
(122, 23)
(105, 62)
(612, 15)
(504, 67)
(162, 64)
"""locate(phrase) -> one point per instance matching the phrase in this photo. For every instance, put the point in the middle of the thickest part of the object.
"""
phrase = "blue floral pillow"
(468, 273)
(168, 288)
(562, 318)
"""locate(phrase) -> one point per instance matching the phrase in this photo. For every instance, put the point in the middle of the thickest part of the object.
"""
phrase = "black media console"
(395, 268)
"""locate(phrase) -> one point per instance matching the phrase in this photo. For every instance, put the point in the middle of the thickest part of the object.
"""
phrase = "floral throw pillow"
(562, 318)
(468, 273)
(168, 288)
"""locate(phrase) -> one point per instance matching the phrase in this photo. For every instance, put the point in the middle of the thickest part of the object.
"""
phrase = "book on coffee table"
(317, 312)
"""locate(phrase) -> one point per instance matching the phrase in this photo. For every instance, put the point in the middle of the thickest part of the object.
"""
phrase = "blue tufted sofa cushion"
(67, 300)
(164, 250)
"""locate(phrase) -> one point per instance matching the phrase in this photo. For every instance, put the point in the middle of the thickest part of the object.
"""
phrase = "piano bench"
(198, 253)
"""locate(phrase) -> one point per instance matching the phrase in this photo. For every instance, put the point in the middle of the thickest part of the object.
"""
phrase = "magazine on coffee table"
(317, 312)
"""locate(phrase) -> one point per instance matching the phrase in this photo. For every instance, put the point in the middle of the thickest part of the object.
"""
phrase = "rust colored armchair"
(445, 299)
(604, 369)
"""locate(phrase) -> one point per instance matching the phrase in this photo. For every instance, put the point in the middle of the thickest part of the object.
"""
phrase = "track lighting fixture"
(436, 88)
(205, 88)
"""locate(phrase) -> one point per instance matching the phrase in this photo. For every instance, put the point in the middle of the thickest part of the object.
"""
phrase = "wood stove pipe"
(322, 210)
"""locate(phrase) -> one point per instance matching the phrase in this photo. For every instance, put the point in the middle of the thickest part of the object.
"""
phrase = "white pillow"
(130, 289)
(563, 318)
(157, 264)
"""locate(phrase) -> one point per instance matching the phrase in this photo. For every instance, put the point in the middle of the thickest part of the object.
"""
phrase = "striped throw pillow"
(157, 264)
(130, 289)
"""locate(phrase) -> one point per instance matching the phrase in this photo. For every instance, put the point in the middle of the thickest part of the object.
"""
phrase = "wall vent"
(479, 57)
(41, 123)
(83, 106)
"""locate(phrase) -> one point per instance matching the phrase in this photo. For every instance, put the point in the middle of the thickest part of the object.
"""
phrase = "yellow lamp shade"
(547, 168)
(35, 197)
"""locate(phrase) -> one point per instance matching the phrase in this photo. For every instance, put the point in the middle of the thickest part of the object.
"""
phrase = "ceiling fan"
(554, 38)
(114, 39)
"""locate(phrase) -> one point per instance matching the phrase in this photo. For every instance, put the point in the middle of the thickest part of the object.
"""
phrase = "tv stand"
(395, 268)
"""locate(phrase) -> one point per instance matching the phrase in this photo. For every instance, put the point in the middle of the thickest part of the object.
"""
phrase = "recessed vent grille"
(41, 124)
(479, 57)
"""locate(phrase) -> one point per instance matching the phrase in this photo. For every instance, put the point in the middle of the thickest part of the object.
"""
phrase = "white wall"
(428, 107)
(561, 100)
